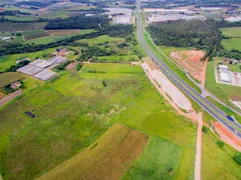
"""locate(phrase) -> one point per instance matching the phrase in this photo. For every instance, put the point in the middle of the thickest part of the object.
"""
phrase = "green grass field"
(125, 58)
(8, 78)
(217, 163)
(34, 34)
(101, 39)
(159, 161)
(233, 43)
(83, 104)
(232, 32)
(222, 91)
(21, 17)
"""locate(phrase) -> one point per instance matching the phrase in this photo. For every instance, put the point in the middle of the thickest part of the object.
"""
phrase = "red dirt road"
(9, 97)
(227, 136)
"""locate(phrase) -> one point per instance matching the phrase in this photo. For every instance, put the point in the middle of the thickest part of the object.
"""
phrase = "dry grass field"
(63, 32)
(107, 158)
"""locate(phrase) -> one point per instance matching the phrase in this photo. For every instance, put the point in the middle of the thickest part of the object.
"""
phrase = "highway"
(215, 112)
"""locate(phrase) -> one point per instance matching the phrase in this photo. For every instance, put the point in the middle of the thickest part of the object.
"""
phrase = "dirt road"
(9, 97)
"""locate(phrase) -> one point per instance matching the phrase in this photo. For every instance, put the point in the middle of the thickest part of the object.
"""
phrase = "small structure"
(24, 59)
(38, 68)
(6, 38)
(30, 114)
(15, 85)
(224, 74)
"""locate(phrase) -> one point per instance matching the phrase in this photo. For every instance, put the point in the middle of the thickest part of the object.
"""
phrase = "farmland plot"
(34, 34)
(107, 158)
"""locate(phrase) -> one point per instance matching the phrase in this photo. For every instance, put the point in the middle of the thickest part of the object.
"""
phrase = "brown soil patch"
(107, 158)
(191, 61)
(1, 95)
(71, 65)
(63, 32)
(235, 98)
(150, 63)
(9, 97)
(227, 135)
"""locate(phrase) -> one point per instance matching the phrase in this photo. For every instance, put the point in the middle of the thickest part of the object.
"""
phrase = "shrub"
(220, 144)
(205, 129)
(78, 67)
(237, 158)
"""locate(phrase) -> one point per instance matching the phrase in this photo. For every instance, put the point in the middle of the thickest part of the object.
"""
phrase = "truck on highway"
(230, 118)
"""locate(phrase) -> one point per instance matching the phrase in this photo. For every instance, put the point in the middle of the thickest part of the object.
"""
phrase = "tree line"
(111, 30)
(78, 22)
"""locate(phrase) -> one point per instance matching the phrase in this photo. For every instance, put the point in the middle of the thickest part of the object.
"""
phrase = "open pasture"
(107, 158)
(232, 43)
(9, 77)
(34, 34)
(8, 26)
(232, 32)
(87, 104)
(217, 162)
(159, 161)
(101, 39)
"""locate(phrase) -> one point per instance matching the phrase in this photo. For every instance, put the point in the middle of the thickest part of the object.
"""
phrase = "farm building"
(123, 19)
(57, 60)
(224, 74)
(38, 67)
(45, 75)
(29, 69)
(15, 85)
(41, 63)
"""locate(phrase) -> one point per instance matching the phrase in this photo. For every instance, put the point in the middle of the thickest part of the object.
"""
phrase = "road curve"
(215, 112)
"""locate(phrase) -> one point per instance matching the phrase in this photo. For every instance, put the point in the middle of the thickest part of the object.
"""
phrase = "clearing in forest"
(107, 158)
(191, 61)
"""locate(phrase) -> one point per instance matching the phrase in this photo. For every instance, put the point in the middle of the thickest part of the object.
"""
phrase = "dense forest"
(195, 33)
(78, 22)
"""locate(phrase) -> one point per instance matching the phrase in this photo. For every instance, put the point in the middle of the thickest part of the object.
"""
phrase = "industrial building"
(38, 68)
(224, 74)
(172, 17)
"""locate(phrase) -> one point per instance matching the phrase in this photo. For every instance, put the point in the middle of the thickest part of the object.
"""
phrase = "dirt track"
(8, 98)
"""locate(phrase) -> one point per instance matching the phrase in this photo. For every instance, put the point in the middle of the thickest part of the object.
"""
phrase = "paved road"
(205, 93)
(189, 91)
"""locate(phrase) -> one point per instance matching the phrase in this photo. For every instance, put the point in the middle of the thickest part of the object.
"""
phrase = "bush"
(61, 67)
(220, 144)
(237, 158)
(78, 67)
(205, 129)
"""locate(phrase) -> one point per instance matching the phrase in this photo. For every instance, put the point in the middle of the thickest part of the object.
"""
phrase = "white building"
(224, 74)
